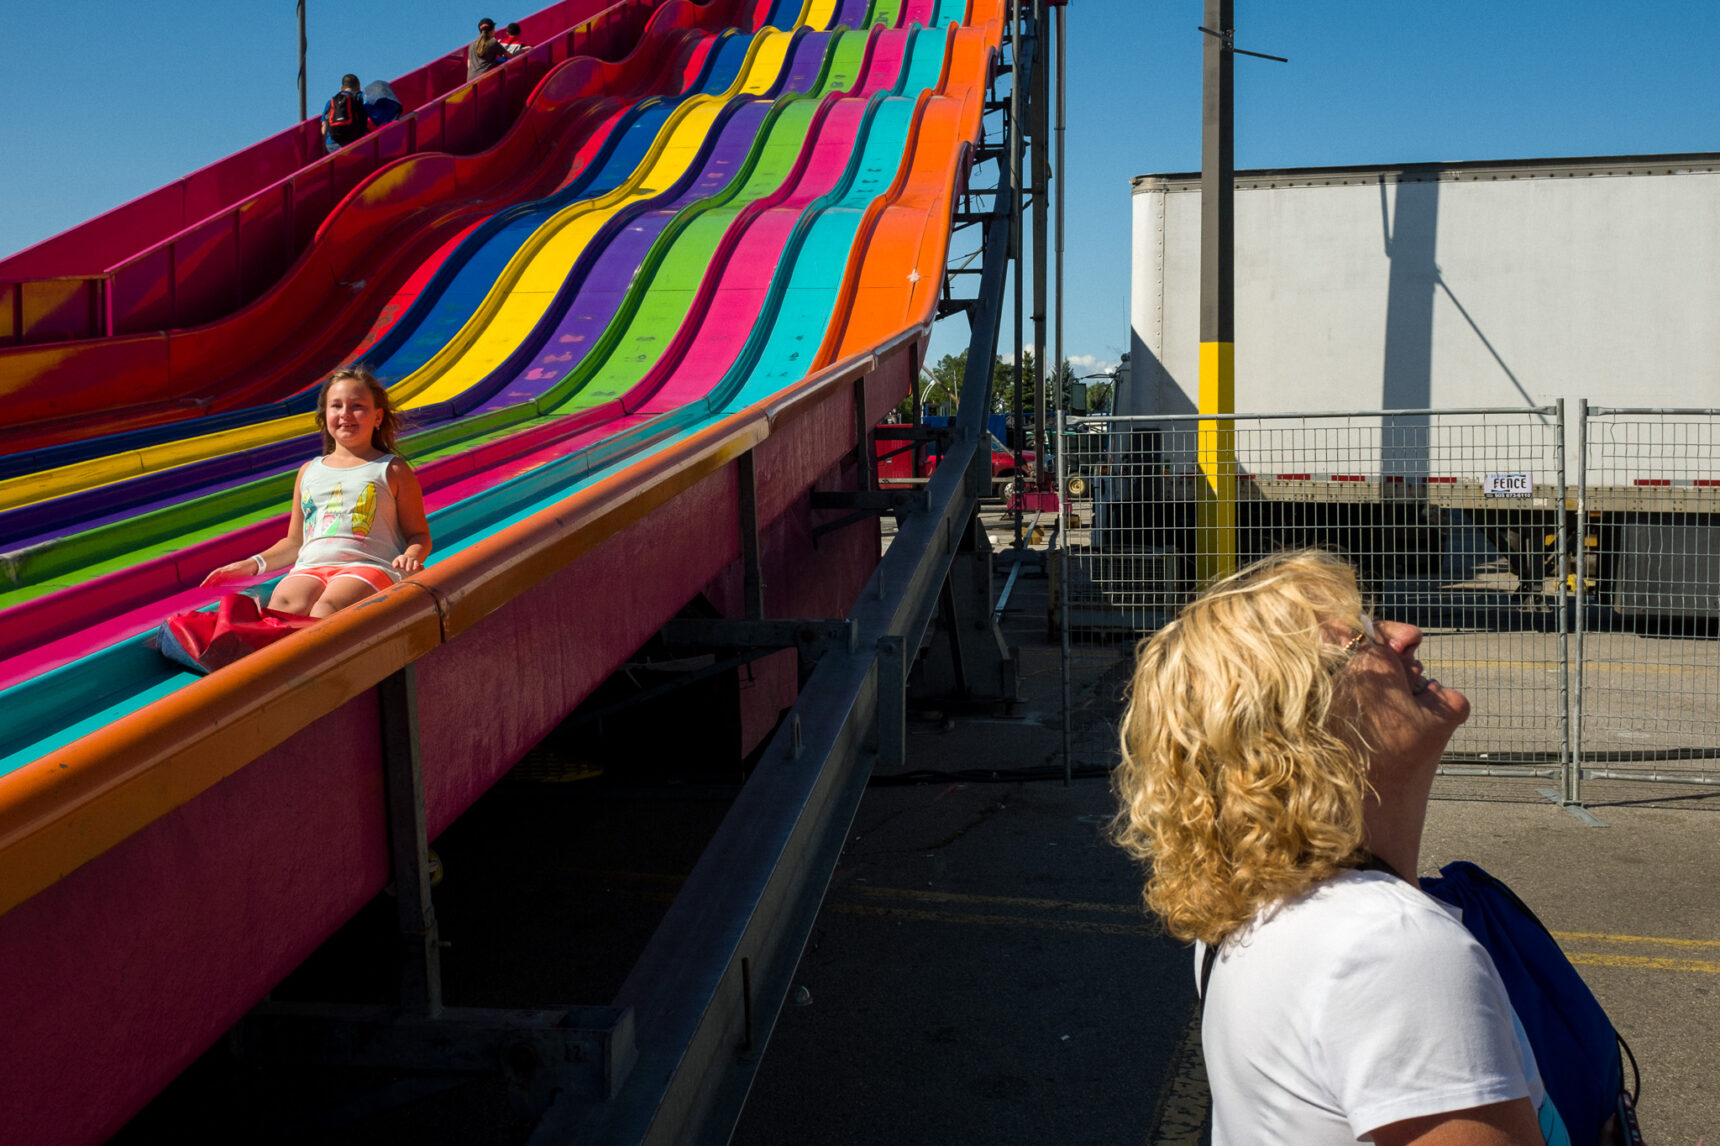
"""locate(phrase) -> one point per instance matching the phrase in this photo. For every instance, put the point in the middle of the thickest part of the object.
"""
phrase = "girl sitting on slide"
(358, 521)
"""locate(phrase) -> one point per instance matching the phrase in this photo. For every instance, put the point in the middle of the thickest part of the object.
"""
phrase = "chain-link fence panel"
(1451, 518)
(1648, 600)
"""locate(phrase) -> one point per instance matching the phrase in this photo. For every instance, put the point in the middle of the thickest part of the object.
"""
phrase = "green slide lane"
(886, 12)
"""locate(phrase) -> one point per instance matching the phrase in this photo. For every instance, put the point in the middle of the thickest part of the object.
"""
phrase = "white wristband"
(262, 565)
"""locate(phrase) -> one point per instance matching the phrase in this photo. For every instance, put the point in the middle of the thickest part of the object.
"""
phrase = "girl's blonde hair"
(387, 433)
(1243, 775)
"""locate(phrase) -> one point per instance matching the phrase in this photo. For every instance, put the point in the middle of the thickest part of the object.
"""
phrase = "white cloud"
(1091, 364)
(1082, 363)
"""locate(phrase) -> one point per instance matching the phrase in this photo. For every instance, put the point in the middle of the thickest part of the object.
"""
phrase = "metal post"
(1063, 581)
(1057, 188)
(752, 564)
(1040, 94)
(1574, 774)
(304, 114)
(1564, 625)
(1215, 511)
(408, 846)
(1015, 148)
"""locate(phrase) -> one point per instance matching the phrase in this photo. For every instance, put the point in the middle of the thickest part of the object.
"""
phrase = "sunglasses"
(1367, 636)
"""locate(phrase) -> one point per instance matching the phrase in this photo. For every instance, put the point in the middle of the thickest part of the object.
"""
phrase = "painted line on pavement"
(1584, 959)
(1603, 937)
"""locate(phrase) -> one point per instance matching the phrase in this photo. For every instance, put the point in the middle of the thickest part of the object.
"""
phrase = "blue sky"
(130, 94)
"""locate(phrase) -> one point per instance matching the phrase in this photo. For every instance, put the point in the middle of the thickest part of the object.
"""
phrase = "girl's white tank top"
(349, 516)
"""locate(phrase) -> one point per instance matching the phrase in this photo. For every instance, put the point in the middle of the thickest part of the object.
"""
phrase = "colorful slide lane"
(282, 748)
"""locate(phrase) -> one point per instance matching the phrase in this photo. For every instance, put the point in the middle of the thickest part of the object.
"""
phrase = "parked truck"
(1435, 288)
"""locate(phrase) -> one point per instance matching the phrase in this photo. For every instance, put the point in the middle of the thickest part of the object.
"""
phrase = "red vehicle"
(897, 467)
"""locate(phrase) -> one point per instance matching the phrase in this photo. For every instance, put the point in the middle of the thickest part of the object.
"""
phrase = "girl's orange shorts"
(377, 578)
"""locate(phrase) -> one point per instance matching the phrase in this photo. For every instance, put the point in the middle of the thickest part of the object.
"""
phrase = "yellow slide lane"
(818, 13)
(528, 285)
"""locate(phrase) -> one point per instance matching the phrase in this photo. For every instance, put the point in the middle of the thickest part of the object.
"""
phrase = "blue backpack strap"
(1576, 1046)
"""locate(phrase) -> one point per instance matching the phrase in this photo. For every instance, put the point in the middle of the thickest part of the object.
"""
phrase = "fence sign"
(1508, 485)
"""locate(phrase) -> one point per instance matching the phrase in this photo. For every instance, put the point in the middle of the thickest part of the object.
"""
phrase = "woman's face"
(1405, 715)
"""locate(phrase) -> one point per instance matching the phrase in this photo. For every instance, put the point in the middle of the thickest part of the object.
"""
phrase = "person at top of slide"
(510, 40)
(357, 524)
(485, 52)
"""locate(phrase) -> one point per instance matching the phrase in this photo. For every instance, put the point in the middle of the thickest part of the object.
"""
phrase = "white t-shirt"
(1361, 1003)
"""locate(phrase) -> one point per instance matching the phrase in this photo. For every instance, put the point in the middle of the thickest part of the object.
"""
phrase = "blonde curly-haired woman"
(1278, 754)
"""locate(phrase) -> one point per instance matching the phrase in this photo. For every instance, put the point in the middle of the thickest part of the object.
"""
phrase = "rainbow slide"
(687, 273)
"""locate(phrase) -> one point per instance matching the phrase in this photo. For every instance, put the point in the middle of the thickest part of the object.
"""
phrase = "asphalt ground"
(982, 970)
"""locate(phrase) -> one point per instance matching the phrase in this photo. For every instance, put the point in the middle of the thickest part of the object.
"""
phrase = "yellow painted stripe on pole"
(1215, 506)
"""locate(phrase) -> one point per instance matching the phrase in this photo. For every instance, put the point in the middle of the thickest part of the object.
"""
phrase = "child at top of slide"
(357, 523)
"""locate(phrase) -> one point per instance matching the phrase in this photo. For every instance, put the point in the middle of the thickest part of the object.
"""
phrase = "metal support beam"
(872, 500)
(1039, 119)
(815, 638)
(752, 589)
(972, 663)
(892, 721)
(408, 846)
(912, 433)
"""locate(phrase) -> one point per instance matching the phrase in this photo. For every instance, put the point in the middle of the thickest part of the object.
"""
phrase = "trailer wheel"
(1076, 485)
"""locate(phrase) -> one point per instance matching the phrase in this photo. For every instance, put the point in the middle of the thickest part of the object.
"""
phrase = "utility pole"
(1016, 127)
(1215, 507)
(304, 114)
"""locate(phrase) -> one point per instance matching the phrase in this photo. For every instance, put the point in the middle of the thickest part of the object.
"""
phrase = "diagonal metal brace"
(908, 432)
(871, 500)
(813, 638)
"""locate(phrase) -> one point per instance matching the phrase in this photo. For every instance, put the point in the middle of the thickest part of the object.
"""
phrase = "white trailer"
(1443, 286)
(1455, 285)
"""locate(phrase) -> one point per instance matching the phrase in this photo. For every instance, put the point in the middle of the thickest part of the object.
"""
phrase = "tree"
(1099, 395)
(942, 384)
(937, 390)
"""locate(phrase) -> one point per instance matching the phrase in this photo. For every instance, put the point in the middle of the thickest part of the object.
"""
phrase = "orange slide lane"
(896, 266)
